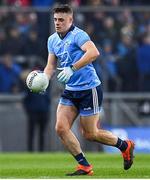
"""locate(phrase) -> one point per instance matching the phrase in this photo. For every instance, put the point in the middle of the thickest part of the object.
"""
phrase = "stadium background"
(118, 28)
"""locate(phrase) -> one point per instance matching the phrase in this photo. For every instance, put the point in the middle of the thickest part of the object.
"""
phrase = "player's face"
(62, 22)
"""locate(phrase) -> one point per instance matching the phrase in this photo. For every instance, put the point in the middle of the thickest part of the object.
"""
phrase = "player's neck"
(62, 35)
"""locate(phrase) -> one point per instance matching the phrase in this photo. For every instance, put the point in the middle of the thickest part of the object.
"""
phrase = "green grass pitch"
(56, 165)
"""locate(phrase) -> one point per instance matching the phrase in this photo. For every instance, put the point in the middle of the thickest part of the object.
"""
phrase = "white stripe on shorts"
(95, 101)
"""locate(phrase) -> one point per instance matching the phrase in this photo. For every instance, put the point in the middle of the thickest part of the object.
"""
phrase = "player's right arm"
(50, 67)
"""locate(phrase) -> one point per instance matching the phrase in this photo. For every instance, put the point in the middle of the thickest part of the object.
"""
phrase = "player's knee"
(60, 130)
(90, 136)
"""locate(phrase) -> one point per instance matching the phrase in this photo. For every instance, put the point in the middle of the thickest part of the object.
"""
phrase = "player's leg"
(89, 116)
(89, 111)
(65, 118)
(92, 133)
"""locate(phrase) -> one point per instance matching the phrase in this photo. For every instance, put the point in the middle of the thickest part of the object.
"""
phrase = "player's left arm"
(91, 53)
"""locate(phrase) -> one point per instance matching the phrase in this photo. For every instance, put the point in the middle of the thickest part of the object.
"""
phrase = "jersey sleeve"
(50, 45)
(81, 38)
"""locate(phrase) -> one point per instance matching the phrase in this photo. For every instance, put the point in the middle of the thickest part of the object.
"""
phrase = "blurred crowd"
(73, 2)
(123, 38)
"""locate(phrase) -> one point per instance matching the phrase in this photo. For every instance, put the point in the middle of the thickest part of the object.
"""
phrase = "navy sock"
(122, 145)
(81, 159)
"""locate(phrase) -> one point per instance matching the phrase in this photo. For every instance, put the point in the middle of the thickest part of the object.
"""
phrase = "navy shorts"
(88, 102)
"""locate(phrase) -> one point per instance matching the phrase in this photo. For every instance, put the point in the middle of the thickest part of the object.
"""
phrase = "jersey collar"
(70, 29)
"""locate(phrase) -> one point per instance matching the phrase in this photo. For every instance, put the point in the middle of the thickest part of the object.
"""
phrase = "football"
(37, 81)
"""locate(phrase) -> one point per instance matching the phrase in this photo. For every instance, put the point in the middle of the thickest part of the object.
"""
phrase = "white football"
(37, 81)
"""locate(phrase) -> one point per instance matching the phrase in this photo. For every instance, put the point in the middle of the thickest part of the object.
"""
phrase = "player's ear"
(71, 18)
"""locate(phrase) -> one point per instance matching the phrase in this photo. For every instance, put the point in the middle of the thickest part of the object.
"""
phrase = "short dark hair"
(62, 8)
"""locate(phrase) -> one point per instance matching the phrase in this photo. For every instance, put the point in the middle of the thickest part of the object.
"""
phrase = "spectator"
(143, 64)
(125, 45)
(109, 31)
(2, 41)
(14, 42)
(96, 20)
(22, 22)
(127, 68)
(110, 65)
(9, 75)
(6, 18)
(90, 29)
(37, 107)
(35, 45)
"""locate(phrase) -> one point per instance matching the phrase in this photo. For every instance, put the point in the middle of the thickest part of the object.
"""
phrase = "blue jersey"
(68, 51)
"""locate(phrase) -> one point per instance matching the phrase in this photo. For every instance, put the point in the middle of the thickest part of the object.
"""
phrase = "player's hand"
(65, 74)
